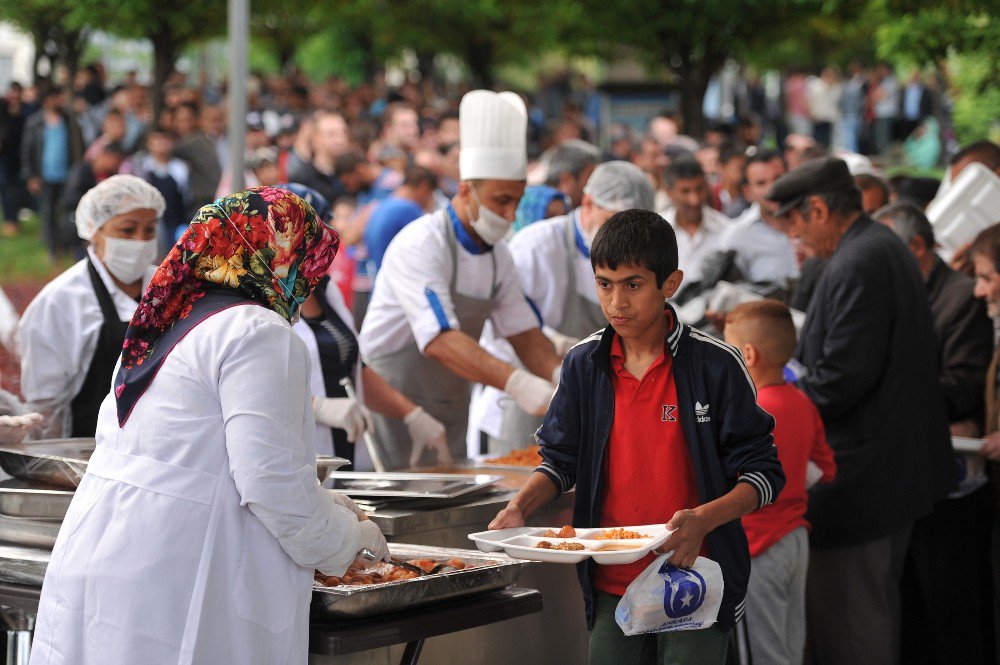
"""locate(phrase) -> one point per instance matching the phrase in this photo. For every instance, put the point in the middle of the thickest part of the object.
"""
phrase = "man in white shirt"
(699, 228)
(446, 274)
(762, 251)
(553, 264)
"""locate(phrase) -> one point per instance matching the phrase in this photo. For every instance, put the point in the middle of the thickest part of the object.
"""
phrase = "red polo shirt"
(648, 475)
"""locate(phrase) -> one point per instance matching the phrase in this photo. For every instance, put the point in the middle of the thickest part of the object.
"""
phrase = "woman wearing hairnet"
(195, 532)
(71, 334)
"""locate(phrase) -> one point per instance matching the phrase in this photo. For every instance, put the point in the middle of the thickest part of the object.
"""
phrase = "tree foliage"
(54, 35)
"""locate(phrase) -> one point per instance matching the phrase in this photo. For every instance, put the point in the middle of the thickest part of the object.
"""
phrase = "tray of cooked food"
(608, 546)
(24, 498)
(59, 462)
(524, 458)
(370, 588)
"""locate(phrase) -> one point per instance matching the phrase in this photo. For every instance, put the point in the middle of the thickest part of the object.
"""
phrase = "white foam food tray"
(522, 543)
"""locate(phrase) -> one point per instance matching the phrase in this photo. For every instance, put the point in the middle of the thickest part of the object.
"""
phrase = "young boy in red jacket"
(779, 544)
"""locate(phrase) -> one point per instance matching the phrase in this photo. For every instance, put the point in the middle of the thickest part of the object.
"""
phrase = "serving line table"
(341, 637)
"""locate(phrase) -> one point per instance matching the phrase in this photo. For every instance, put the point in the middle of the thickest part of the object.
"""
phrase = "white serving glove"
(373, 540)
(347, 502)
(13, 429)
(343, 413)
(531, 393)
(563, 343)
(426, 432)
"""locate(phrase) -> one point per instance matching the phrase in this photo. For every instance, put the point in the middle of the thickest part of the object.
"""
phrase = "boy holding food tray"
(653, 422)
(779, 545)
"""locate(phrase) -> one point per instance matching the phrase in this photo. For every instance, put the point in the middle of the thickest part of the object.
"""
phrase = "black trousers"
(947, 587)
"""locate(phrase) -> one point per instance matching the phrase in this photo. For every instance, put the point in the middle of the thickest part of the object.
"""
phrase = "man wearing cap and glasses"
(446, 274)
(553, 264)
(867, 343)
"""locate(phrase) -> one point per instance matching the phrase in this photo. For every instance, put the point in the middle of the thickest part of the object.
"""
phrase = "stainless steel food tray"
(411, 485)
(325, 464)
(24, 531)
(492, 572)
(59, 462)
(23, 565)
(24, 498)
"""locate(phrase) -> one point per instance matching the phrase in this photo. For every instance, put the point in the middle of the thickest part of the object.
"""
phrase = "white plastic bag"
(666, 598)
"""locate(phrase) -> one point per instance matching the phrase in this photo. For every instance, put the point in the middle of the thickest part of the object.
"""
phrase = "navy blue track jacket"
(731, 442)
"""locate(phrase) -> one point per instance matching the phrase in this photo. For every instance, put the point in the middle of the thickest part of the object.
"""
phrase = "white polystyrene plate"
(520, 542)
(963, 444)
(489, 541)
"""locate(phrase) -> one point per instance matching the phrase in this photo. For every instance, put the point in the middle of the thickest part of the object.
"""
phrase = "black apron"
(97, 384)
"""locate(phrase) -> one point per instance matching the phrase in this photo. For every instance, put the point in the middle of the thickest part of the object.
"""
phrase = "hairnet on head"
(114, 196)
(620, 185)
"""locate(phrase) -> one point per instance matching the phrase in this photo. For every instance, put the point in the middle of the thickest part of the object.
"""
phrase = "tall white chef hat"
(493, 128)
(112, 197)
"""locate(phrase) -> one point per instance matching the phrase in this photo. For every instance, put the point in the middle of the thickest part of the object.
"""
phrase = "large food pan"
(492, 572)
(24, 531)
(407, 485)
(23, 565)
(59, 462)
(23, 498)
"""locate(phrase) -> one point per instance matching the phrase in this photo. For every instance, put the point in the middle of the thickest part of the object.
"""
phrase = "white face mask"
(490, 226)
(128, 260)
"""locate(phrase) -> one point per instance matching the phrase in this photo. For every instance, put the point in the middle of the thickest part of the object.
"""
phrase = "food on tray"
(619, 534)
(565, 532)
(567, 547)
(363, 573)
(525, 457)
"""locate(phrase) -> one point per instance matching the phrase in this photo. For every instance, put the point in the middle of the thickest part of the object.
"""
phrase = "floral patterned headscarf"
(264, 242)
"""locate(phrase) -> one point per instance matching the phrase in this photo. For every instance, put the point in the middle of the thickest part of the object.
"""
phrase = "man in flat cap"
(868, 344)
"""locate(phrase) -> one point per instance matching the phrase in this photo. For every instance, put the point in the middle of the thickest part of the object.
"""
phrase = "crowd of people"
(467, 274)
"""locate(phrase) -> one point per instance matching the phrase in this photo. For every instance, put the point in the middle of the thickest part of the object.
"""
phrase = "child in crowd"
(779, 545)
(653, 422)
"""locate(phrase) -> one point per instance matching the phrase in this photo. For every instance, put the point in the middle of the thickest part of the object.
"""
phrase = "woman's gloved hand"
(13, 429)
(531, 393)
(343, 413)
(426, 432)
(373, 540)
(347, 502)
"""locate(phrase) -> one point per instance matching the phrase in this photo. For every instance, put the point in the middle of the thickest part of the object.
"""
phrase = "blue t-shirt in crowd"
(55, 153)
(386, 221)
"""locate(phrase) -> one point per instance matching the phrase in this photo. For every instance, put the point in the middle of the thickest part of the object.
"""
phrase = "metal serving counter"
(558, 634)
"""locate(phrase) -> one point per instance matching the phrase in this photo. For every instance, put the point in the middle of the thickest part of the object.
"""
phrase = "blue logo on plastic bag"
(683, 591)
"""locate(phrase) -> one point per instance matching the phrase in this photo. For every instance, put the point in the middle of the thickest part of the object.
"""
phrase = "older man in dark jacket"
(868, 343)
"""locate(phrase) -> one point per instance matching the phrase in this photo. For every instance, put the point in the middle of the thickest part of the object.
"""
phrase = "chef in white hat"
(445, 275)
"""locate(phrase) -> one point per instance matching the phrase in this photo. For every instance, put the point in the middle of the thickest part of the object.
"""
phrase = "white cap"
(494, 132)
(112, 197)
(857, 164)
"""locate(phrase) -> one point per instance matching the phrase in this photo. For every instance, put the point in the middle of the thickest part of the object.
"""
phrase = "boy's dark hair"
(762, 156)
(348, 162)
(684, 168)
(730, 150)
(636, 237)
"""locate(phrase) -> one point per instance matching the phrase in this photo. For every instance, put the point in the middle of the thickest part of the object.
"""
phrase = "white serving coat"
(195, 531)
(317, 387)
(58, 334)
(540, 255)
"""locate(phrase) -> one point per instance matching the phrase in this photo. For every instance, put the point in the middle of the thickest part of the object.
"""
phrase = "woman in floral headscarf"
(194, 534)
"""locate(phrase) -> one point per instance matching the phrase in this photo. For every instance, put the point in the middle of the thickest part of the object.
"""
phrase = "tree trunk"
(286, 54)
(694, 77)
(425, 64)
(480, 57)
(165, 54)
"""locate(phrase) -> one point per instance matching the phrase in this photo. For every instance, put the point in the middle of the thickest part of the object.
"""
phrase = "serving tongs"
(370, 556)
